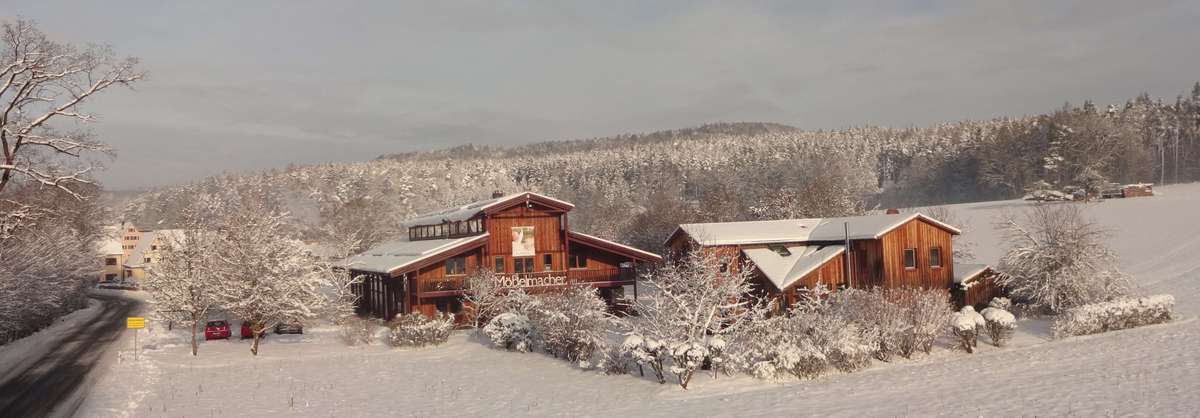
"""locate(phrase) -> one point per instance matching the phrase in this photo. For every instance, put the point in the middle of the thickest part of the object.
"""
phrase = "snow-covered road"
(47, 374)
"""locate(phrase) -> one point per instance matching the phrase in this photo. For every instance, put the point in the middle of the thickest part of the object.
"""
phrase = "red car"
(216, 330)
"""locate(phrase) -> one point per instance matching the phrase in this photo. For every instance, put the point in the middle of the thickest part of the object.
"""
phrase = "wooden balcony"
(542, 279)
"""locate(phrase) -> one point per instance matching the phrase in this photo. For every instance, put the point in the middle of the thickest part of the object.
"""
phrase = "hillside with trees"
(634, 188)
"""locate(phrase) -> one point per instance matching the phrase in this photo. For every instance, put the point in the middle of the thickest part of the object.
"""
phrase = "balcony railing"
(454, 285)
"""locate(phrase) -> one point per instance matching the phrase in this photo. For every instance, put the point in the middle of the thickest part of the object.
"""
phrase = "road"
(52, 380)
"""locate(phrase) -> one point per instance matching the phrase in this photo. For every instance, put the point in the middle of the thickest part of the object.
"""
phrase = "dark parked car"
(293, 328)
(216, 330)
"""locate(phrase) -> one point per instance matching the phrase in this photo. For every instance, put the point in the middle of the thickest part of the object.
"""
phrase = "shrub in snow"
(510, 331)
(572, 324)
(417, 330)
(647, 352)
(802, 344)
(1058, 260)
(883, 323)
(927, 312)
(615, 360)
(685, 359)
(718, 356)
(963, 326)
(1000, 325)
(980, 323)
(1118, 314)
(355, 331)
(1001, 302)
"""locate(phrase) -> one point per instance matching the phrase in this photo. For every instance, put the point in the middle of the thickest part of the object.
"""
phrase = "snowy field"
(1151, 371)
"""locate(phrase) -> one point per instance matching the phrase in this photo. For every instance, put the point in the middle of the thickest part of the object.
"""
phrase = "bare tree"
(183, 281)
(1058, 259)
(43, 81)
(484, 296)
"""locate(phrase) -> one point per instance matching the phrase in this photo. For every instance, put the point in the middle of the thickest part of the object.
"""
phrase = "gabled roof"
(749, 232)
(870, 226)
(785, 270)
(800, 230)
(468, 211)
(607, 245)
(964, 272)
(399, 255)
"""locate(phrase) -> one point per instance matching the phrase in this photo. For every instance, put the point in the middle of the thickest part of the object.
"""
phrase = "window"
(724, 267)
(547, 262)
(523, 264)
(781, 250)
(577, 261)
(935, 257)
(153, 247)
(910, 258)
(110, 277)
(110, 261)
(456, 266)
(147, 259)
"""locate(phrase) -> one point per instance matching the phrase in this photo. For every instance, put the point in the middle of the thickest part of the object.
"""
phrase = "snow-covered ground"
(1151, 371)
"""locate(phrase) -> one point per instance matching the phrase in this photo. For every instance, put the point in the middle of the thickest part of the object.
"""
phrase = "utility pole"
(849, 265)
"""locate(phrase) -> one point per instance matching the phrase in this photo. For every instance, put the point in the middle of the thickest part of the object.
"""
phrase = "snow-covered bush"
(356, 331)
(417, 330)
(571, 324)
(718, 355)
(647, 352)
(1000, 302)
(802, 344)
(1000, 324)
(963, 326)
(927, 311)
(1114, 315)
(510, 331)
(1057, 260)
(615, 359)
(686, 358)
(884, 324)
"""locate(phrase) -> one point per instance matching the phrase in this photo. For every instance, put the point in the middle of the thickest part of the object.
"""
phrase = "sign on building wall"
(522, 241)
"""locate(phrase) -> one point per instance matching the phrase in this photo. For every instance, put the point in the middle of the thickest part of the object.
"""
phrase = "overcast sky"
(242, 85)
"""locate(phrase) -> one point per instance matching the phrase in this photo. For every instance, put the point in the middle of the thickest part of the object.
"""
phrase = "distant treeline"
(634, 188)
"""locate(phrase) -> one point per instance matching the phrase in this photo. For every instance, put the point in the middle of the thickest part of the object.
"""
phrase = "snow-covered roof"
(785, 270)
(394, 255)
(964, 272)
(801, 230)
(750, 232)
(468, 211)
(645, 255)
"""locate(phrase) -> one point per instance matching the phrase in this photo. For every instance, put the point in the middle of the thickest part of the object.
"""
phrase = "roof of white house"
(784, 270)
(801, 230)
(394, 255)
(468, 211)
(964, 272)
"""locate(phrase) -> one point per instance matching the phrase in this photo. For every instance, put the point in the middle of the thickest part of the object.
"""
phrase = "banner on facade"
(522, 241)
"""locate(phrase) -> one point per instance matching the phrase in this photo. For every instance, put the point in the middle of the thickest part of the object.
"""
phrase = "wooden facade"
(878, 261)
(558, 257)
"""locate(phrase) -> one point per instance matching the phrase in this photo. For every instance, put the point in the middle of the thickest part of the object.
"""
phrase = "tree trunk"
(195, 344)
(254, 345)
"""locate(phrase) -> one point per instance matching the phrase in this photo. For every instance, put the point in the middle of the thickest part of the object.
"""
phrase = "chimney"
(496, 194)
(893, 211)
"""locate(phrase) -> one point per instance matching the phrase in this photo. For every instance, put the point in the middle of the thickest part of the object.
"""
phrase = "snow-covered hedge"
(510, 331)
(356, 331)
(801, 344)
(417, 330)
(1000, 324)
(963, 325)
(1114, 315)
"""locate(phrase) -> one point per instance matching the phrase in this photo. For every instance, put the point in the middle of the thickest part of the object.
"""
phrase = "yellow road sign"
(135, 322)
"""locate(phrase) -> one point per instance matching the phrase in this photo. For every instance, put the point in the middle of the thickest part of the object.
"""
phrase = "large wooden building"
(525, 238)
(888, 250)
